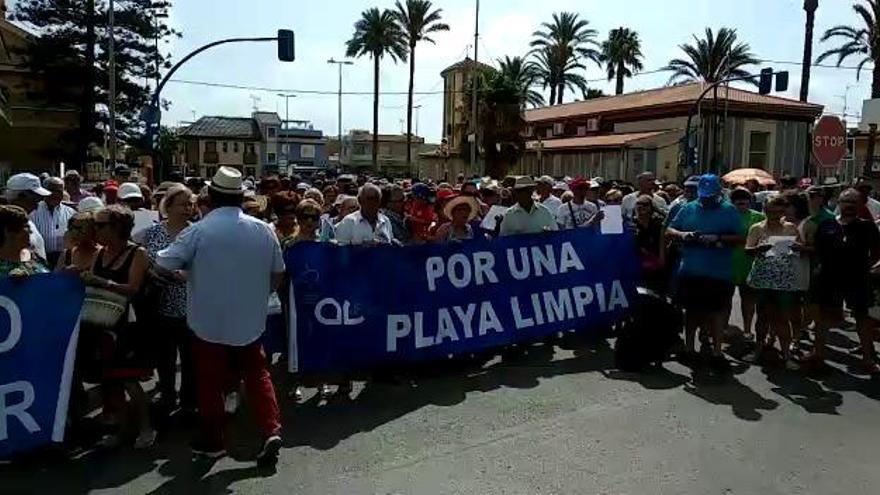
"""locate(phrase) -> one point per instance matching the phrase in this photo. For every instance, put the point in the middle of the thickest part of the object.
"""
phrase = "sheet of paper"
(613, 221)
(143, 219)
(489, 221)
(781, 245)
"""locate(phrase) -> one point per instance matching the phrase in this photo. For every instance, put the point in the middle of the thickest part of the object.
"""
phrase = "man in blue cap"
(707, 229)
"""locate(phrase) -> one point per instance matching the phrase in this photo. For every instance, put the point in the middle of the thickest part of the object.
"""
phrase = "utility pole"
(112, 85)
(474, 73)
(339, 64)
(810, 7)
(417, 108)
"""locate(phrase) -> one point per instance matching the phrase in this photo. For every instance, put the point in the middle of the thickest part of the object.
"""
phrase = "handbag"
(103, 308)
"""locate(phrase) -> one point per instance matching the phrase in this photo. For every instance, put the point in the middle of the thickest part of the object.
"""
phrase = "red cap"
(444, 194)
(578, 182)
(112, 185)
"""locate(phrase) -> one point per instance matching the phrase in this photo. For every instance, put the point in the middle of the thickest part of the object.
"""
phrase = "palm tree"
(557, 71)
(524, 76)
(622, 55)
(592, 93)
(417, 22)
(377, 34)
(810, 7)
(712, 58)
(864, 42)
(500, 119)
(569, 40)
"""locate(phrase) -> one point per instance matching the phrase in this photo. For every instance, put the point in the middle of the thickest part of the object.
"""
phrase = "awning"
(603, 141)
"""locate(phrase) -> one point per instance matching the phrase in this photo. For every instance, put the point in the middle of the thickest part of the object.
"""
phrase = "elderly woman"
(461, 210)
(308, 219)
(81, 244)
(15, 235)
(284, 205)
(315, 195)
(651, 243)
(120, 268)
(177, 208)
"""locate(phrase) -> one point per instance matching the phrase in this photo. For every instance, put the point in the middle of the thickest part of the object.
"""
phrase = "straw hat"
(227, 180)
(462, 200)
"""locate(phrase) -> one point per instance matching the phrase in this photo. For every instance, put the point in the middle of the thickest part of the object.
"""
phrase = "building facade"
(34, 135)
(455, 116)
(621, 136)
(258, 146)
(357, 153)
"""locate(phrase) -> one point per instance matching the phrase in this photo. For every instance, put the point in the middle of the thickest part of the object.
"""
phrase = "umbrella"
(740, 176)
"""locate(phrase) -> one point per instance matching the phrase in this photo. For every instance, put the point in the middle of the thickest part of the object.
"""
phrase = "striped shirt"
(52, 225)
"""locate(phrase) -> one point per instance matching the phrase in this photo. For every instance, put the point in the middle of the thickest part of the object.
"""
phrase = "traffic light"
(286, 46)
(765, 85)
(781, 82)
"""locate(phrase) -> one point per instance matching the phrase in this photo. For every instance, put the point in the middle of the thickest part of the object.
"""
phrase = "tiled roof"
(605, 141)
(672, 95)
(223, 127)
(467, 63)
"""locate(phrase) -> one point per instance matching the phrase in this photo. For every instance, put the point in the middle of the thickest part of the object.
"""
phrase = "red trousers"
(215, 365)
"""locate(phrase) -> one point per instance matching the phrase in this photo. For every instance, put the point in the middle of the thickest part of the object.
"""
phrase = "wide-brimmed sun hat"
(462, 200)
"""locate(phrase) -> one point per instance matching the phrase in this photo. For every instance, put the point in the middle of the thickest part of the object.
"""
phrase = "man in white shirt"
(527, 216)
(26, 191)
(233, 262)
(645, 183)
(51, 217)
(368, 225)
(544, 189)
(578, 212)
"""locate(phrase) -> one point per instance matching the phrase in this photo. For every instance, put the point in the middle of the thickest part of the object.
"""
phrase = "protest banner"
(355, 308)
(39, 325)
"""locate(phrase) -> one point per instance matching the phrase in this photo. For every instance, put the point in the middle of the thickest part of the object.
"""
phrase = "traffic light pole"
(712, 87)
(155, 119)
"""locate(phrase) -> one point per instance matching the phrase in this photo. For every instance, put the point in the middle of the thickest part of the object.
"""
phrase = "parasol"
(740, 176)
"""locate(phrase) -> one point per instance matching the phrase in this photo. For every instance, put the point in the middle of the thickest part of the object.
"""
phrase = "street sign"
(829, 141)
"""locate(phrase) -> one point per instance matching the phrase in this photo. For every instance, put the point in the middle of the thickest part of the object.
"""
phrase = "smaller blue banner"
(39, 324)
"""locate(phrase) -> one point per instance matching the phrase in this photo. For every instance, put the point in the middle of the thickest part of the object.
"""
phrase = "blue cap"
(710, 185)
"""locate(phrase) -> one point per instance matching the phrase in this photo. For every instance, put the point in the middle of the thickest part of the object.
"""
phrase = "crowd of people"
(191, 286)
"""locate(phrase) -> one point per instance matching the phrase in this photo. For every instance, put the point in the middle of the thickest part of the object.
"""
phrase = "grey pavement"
(565, 423)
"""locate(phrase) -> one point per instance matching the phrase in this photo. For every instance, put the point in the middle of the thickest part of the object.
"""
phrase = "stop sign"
(829, 141)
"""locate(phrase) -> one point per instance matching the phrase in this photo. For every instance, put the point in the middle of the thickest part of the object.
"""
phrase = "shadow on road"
(323, 424)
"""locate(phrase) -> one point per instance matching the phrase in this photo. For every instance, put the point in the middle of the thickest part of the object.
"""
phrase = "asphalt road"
(552, 423)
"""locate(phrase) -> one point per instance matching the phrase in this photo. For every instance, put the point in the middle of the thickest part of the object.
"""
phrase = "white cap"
(26, 182)
(90, 204)
(130, 190)
(546, 179)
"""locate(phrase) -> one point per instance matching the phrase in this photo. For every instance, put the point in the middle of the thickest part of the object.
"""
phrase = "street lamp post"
(286, 146)
(339, 64)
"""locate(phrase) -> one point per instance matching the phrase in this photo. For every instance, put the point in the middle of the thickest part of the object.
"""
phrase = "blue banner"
(39, 324)
(355, 308)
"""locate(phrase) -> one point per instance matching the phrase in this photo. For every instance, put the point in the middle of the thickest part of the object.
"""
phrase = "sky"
(773, 28)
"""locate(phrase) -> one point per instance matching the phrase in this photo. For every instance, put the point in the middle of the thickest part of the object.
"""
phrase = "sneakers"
(207, 449)
(231, 402)
(268, 455)
(145, 440)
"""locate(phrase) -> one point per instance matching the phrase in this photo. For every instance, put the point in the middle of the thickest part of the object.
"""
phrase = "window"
(224, 146)
(235, 147)
(360, 149)
(285, 150)
(211, 147)
(271, 157)
(272, 131)
(249, 148)
(307, 151)
(759, 147)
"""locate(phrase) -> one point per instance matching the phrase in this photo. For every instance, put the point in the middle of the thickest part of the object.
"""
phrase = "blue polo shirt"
(710, 262)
